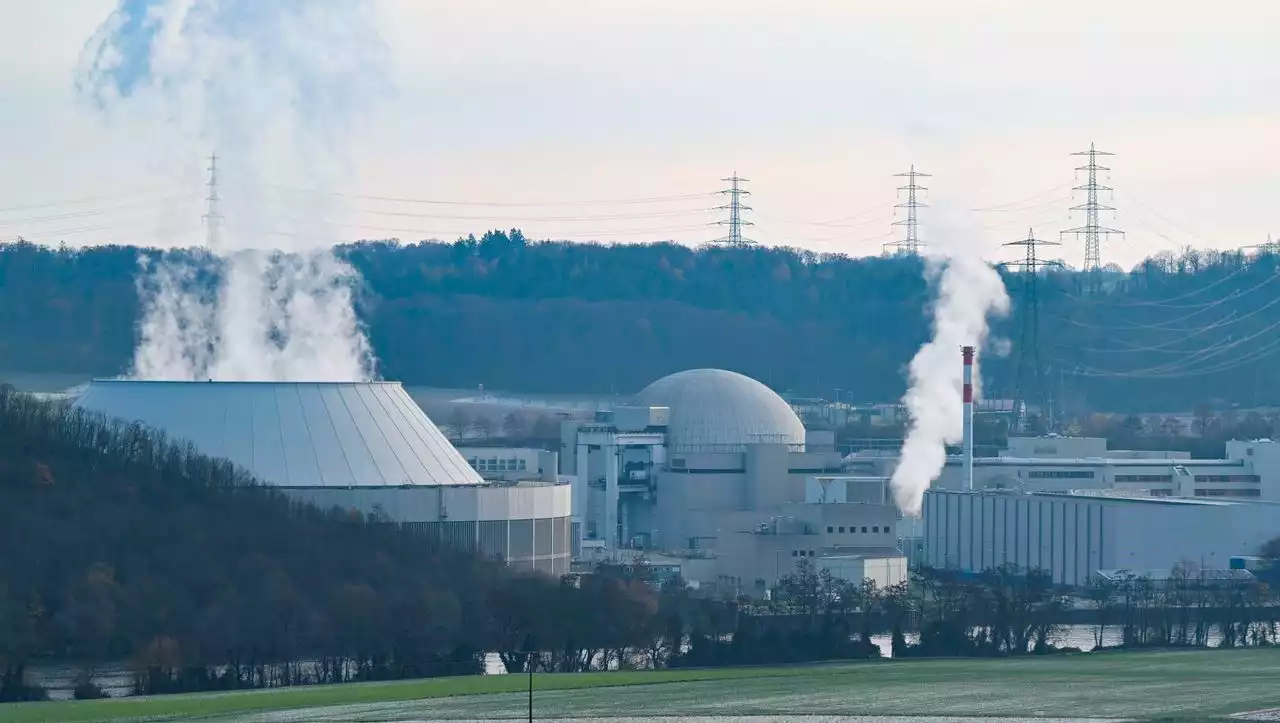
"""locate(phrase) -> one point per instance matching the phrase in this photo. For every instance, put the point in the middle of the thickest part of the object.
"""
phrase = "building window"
(810, 553)
(864, 529)
(830, 529)
(1249, 478)
(875, 529)
(1229, 493)
(842, 529)
(1144, 478)
(1060, 474)
(795, 553)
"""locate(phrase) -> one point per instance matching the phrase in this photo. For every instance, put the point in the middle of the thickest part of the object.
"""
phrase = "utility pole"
(735, 207)
(909, 245)
(1029, 378)
(1092, 230)
(213, 216)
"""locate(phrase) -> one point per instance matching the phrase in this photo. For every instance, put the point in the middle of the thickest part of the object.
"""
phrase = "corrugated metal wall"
(1065, 536)
(542, 545)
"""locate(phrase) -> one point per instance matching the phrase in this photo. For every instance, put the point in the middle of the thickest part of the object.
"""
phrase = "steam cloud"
(275, 86)
(969, 290)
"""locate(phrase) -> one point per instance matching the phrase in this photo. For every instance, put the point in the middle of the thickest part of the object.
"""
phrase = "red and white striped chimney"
(967, 441)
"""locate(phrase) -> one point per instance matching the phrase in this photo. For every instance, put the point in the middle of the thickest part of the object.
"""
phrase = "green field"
(1152, 685)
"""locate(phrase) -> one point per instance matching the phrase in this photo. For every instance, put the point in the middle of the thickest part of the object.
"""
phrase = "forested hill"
(559, 317)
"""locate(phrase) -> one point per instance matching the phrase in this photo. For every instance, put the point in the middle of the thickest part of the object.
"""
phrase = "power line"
(1028, 361)
(735, 192)
(910, 244)
(496, 204)
(1092, 230)
(213, 216)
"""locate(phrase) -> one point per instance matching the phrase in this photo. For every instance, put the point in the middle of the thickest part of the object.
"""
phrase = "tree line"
(511, 313)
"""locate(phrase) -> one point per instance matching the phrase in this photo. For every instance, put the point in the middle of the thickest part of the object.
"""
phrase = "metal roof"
(1093, 462)
(722, 411)
(295, 434)
(1202, 575)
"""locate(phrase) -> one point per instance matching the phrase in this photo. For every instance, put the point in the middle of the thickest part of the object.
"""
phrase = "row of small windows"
(1228, 478)
(1060, 474)
(1228, 493)
(802, 553)
(1144, 478)
(498, 464)
(831, 529)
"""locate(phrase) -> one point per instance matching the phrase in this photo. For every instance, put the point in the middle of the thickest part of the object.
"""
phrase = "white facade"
(885, 571)
(511, 463)
(362, 447)
(1250, 470)
(1075, 535)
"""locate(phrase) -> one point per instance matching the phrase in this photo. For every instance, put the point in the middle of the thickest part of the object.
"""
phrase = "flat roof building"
(1074, 535)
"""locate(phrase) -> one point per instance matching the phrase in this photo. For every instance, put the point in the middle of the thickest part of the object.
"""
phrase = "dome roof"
(718, 408)
(295, 434)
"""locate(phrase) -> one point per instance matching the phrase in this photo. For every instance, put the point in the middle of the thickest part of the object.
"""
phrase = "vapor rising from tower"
(968, 291)
(1092, 230)
(278, 86)
(735, 207)
(1029, 378)
(910, 244)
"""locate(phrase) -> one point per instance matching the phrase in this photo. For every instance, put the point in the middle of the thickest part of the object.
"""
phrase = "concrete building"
(1250, 470)
(357, 446)
(1074, 535)
(699, 461)
(512, 463)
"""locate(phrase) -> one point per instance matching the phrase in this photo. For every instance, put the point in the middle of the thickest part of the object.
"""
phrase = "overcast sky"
(818, 103)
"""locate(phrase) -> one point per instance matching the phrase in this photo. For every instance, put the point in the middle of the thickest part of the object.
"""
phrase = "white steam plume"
(276, 87)
(968, 291)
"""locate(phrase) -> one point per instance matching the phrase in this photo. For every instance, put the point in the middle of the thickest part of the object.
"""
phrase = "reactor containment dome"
(295, 434)
(716, 409)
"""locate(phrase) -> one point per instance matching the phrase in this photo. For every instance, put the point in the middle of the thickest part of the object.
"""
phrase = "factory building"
(362, 446)
(1250, 469)
(1074, 535)
(712, 465)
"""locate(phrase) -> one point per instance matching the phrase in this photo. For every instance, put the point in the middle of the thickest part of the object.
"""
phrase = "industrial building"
(713, 466)
(1075, 535)
(363, 446)
(1250, 469)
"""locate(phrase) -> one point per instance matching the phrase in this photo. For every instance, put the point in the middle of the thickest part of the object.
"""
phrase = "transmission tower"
(909, 245)
(1270, 247)
(735, 207)
(1092, 230)
(1029, 385)
(213, 216)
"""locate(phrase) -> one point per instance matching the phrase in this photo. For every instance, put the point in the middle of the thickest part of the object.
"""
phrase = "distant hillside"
(558, 317)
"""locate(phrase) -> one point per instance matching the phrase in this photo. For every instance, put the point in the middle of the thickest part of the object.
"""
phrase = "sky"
(567, 118)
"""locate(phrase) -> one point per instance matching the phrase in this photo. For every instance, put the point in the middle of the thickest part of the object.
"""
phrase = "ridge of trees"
(460, 314)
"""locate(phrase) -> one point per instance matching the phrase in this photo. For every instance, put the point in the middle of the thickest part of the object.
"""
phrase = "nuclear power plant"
(711, 474)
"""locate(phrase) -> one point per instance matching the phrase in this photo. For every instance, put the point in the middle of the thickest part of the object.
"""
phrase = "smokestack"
(967, 439)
